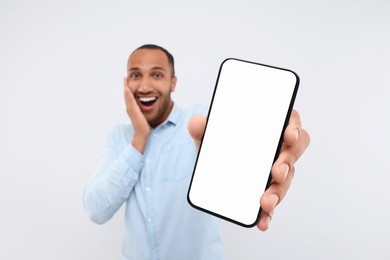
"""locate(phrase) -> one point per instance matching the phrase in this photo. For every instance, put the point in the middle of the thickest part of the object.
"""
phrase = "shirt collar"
(174, 116)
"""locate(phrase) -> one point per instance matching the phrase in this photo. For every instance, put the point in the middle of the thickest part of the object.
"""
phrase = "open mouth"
(147, 103)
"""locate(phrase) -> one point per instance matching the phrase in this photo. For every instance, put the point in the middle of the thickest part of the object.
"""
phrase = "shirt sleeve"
(113, 181)
(200, 110)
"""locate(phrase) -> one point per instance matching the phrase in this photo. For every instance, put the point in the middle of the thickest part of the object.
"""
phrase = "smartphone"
(249, 111)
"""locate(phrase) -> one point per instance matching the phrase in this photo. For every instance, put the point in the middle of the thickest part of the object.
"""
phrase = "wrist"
(139, 142)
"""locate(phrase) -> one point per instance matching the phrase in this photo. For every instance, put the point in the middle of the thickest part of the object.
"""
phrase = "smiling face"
(150, 78)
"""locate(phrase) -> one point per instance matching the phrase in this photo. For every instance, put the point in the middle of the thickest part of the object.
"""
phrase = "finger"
(126, 89)
(264, 220)
(129, 96)
(271, 198)
(292, 132)
(280, 170)
(295, 118)
(196, 127)
(275, 193)
(125, 82)
(289, 155)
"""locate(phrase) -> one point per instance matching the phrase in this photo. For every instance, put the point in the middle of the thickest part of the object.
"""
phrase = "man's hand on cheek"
(295, 143)
(140, 124)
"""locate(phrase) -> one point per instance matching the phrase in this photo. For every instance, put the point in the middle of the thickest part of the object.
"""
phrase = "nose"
(145, 85)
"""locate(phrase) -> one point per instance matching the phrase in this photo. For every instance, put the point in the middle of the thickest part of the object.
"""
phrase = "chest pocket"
(177, 162)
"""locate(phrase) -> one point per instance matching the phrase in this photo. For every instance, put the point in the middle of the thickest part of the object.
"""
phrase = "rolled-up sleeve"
(113, 180)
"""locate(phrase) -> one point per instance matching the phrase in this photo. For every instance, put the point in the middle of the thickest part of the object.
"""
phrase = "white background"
(61, 69)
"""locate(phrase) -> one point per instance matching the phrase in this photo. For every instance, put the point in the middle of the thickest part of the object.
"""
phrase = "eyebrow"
(153, 68)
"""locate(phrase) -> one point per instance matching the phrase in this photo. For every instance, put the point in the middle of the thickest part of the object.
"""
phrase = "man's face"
(151, 81)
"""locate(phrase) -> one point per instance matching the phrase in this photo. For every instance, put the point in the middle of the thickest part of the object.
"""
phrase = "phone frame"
(277, 152)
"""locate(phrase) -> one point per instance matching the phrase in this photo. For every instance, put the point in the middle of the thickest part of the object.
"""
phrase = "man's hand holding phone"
(295, 142)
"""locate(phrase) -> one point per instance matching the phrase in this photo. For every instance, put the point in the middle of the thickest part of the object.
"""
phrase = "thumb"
(196, 127)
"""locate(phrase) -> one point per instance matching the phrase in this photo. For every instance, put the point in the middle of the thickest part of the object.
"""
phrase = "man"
(148, 166)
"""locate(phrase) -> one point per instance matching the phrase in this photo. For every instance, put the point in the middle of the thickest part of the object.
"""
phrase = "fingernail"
(284, 168)
(296, 133)
(273, 200)
(267, 221)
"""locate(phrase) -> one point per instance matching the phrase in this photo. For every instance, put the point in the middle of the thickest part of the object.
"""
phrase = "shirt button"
(149, 220)
(147, 189)
(148, 160)
(154, 134)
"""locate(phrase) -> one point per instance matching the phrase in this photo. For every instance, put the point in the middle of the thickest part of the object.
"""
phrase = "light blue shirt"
(159, 222)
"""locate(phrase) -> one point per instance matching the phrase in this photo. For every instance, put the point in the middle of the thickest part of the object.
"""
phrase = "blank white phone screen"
(248, 113)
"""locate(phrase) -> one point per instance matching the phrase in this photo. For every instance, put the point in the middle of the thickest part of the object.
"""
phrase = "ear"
(173, 86)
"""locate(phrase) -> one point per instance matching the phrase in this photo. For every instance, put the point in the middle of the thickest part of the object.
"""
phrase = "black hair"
(171, 60)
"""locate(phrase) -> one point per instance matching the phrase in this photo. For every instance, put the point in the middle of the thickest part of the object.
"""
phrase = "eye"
(134, 76)
(157, 75)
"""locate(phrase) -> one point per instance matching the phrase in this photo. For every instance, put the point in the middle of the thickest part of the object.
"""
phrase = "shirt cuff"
(132, 158)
